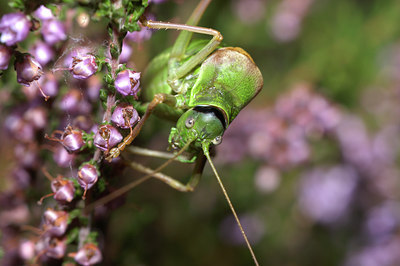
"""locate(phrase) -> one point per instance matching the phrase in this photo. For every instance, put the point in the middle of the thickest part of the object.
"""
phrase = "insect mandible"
(200, 85)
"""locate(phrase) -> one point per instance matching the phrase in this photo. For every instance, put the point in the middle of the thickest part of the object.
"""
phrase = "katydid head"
(201, 125)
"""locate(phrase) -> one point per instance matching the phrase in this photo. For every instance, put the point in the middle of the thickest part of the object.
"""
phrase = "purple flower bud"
(63, 189)
(14, 27)
(87, 176)
(42, 52)
(55, 247)
(28, 69)
(55, 222)
(5, 55)
(89, 254)
(124, 116)
(53, 31)
(71, 139)
(107, 137)
(44, 13)
(62, 157)
(127, 82)
(83, 66)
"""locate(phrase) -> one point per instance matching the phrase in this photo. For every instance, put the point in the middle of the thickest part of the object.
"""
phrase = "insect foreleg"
(188, 187)
(158, 98)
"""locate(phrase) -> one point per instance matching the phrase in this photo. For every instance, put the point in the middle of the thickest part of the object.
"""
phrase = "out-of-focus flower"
(249, 11)
(5, 56)
(43, 13)
(53, 31)
(382, 221)
(89, 254)
(49, 84)
(73, 102)
(124, 115)
(385, 253)
(14, 27)
(286, 22)
(42, 52)
(36, 116)
(20, 128)
(230, 232)
(107, 137)
(125, 53)
(28, 69)
(127, 82)
(62, 157)
(325, 194)
(267, 179)
(26, 249)
(83, 66)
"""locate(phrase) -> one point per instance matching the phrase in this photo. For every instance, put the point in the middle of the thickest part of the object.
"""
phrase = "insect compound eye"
(217, 140)
(189, 123)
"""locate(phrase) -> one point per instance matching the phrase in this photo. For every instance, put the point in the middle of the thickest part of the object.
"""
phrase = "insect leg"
(157, 154)
(176, 72)
(172, 182)
(158, 98)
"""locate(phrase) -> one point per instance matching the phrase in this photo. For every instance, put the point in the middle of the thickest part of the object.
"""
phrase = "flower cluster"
(89, 91)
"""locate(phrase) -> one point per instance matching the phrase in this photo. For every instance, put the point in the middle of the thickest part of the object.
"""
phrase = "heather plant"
(311, 164)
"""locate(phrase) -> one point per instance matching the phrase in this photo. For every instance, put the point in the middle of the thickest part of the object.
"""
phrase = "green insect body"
(212, 94)
(201, 86)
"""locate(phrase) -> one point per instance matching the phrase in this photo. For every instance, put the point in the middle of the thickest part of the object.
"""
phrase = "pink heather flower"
(83, 66)
(55, 247)
(42, 52)
(107, 137)
(14, 27)
(5, 55)
(127, 82)
(55, 222)
(63, 189)
(43, 13)
(28, 69)
(53, 31)
(89, 254)
(87, 176)
(124, 116)
(71, 139)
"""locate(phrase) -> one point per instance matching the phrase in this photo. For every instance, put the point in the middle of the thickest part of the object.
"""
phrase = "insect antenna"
(207, 154)
(128, 187)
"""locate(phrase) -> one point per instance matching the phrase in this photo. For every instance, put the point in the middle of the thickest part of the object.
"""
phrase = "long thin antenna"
(206, 153)
(133, 184)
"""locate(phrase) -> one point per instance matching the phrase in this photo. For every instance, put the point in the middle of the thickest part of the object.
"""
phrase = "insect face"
(201, 125)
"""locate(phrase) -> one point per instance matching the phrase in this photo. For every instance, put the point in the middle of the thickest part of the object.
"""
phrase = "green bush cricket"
(200, 85)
